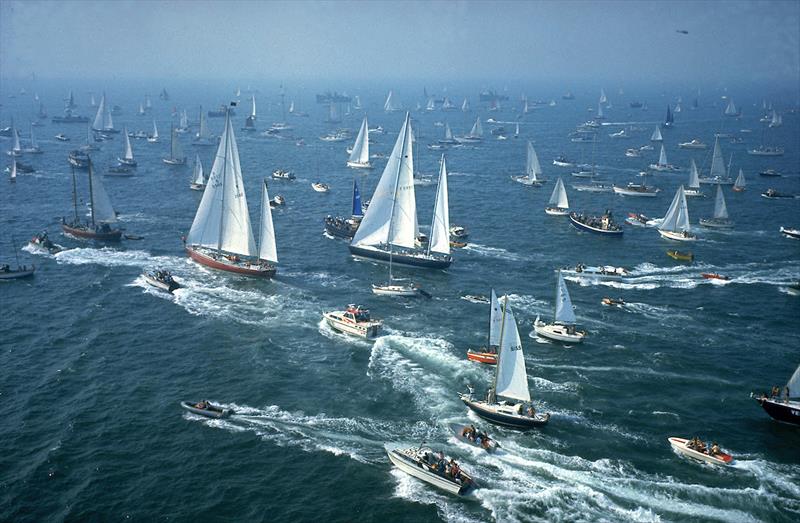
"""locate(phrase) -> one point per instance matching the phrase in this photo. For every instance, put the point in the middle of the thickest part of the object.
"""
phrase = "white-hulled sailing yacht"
(563, 327)
(127, 152)
(198, 177)
(558, 204)
(221, 236)
(720, 220)
(203, 136)
(176, 156)
(740, 183)
(656, 136)
(153, 137)
(693, 188)
(533, 169)
(675, 225)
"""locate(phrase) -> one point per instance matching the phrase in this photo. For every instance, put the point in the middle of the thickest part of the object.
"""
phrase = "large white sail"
(127, 153)
(656, 136)
(222, 220)
(176, 151)
(694, 176)
(533, 168)
(720, 208)
(495, 321)
(203, 133)
(17, 147)
(102, 210)
(731, 109)
(440, 227)
(448, 133)
(564, 312)
(13, 169)
(360, 154)
(197, 176)
(155, 130)
(717, 161)
(98, 117)
(391, 215)
(266, 242)
(677, 217)
(477, 129)
(559, 196)
(511, 380)
(740, 182)
(794, 384)
(662, 157)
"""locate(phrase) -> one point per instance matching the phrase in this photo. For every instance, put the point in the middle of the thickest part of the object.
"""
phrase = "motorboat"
(632, 153)
(714, 276)
(766, 151)
(119, 170)
(603, 224)
(685, 256)
(770, 173)
(695, 449)
(277, 201)
(76, 158)
(42, 242)
(716, 180)
(790, 232)
(613, 302)
(563, 328)
(280, 174)
(637, 219)
(482, 355)
(320, 187)
(774, 195)
(393, 288)
(432, 468)
(61, 137)
(562, 161)
(620, 134)
(595, 186)
(475, 298)
(694, 144)
(207, 409)
(602, 272)
(471, 436)
(638, 190)
(783, 404)
(161, 279)
(22, 271)
(355, 321)
(458, 232)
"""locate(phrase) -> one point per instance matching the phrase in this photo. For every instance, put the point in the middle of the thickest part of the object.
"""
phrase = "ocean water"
(94, 363)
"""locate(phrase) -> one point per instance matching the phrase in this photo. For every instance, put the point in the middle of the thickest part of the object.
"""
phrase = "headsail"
(559, 196)
(656, 136)
(677, 217)
(564, 312)
(360, 154)
(266, 248)
(720, 209)
(694, 176)
(477, 129)
(533, 168)
(662, 157)
(717, 161)
(440, 227)
(794, 384)
(128, 150)
(511, 380)
(222, 221)
(197, 176)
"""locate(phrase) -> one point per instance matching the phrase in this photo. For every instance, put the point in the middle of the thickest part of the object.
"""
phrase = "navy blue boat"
(599, 225)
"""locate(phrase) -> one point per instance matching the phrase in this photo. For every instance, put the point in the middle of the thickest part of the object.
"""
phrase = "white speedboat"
(632, 153)
(694, 144)
(432, 468)
(602, 272)
(393, 288)
(280, 174)
(790, 232)
(320, 187)
(638, 190)
(563, 328)
(562, 161)
(696, 450)
(162, 280)
(354, 321)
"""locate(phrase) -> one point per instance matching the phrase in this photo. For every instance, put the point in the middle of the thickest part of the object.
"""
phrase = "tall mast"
(261, 218)
(394, 200)
(555, 302)
(224, 171)
(435, 206)
(91, 191)
(75, 195)
(500, 346)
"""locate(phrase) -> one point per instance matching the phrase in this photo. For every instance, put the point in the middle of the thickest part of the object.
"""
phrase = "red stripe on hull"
(483, 357)
(92, 235)
(208, 261)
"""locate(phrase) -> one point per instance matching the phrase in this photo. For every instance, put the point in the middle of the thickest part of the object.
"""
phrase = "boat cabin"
(356, 314)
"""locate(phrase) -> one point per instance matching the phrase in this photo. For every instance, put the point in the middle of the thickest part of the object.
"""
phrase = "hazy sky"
(492, 42)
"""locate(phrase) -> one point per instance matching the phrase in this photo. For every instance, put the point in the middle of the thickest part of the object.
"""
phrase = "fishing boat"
(471, 436)
(127, 152)
(320, 187)
(355, 321)
(161, 279)
(340, 227)
(603, 224)
(563, 328)
(533, 170)
(176, 155)
(558, 205)
(694, 144)
(41, 242)
(221, 236)
(656, 136)
(681, 255)
(488, 354)
(714, 276)
(103, 216)
(663, 165)
(432, 468)
(675, 224)
(209, 410)
(784, 405)
(601, 272)
(612, 302)
(720, 220)
(250, 122)
(359, 157)
(693, 187)
(203, 136)
(772, 194)
(790, 232)
(390, 227)
(510, 381)
(696, 450)
(103, 121)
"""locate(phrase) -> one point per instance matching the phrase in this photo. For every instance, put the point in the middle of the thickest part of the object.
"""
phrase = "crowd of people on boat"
(164, 276)
(440, 465)
(698, 445)
(480, 438)
(604, 222)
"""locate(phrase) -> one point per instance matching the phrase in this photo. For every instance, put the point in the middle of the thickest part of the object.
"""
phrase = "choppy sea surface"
(94, 362)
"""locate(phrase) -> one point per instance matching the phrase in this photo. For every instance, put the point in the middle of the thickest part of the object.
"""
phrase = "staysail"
(391, 215)
(266, 248)
(222, 221)
(360, 154)
(559, 196)
(511, 379)
(564, 312)
(720, 208)
(440, 227)
(677, 217)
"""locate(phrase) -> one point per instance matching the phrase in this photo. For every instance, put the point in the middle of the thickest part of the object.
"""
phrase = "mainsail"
(266, 248)
(102, 210)
(495, 321)
(360, 154)
(559, 196)
(662, 157)
(717, 161)
(720, 209)
(532, 167)
(448, 133)
(222, 221)
(564, 312)
(127, 153)
(477, 129)
(391, 215)
(511, 379)
(197, 176)
(203, 133)
(656, 136)
(677, 217)
(155, 130)
(175, 149)
(669, 118)
(465, 105)
(794, 384)
(740, 182)
(694, 176)
(440, 227)
(103, 120)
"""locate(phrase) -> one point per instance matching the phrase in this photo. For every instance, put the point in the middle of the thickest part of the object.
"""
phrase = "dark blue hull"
(497, 418)
(780, 411)
(402, 259)
(586, 228)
